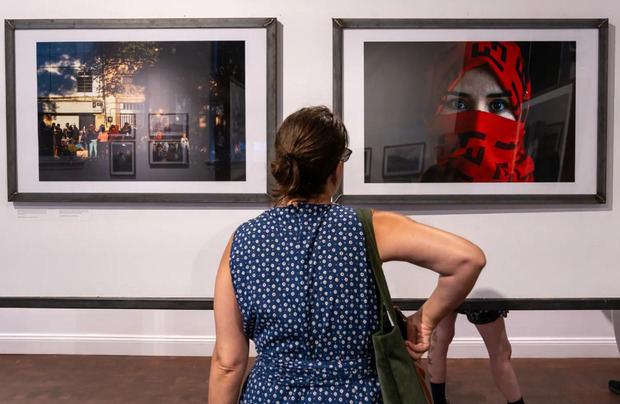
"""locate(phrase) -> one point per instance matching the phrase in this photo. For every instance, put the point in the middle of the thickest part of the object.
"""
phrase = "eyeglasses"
(346, 154)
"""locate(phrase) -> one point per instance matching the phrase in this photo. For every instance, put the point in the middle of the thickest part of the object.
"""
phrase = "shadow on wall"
(485, 293)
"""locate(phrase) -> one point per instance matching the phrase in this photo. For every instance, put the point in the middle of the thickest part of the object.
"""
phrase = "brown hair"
(309, 145)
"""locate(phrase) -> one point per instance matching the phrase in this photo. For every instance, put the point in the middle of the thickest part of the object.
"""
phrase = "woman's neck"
(322, 199)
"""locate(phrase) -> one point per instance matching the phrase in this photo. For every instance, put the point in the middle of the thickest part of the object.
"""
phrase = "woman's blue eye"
(498, 106)
(457, 104)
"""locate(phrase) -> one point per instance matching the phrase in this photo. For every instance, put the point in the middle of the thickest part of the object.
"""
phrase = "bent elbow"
(471, 262)
(478, 259)
(232, 372)
(229, 365)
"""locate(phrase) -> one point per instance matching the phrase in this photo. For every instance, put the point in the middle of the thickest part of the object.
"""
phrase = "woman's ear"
(333, 181)
(336, 177)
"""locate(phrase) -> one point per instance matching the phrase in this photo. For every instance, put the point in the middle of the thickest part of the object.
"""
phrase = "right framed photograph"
(473, 111)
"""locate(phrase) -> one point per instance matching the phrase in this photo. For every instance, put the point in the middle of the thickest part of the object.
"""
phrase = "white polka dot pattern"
(308, 300)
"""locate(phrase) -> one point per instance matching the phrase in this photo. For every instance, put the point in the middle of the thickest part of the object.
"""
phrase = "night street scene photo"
(141, 111)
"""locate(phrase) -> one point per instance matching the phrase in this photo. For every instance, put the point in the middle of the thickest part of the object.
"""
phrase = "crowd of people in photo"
(67, 141)
(171, 152)
(89, 142)
(92, 142)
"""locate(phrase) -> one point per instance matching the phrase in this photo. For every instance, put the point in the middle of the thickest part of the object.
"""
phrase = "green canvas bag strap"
(384, 299)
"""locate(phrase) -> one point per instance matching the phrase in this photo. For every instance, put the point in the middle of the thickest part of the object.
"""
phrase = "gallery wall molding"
(107, 344)
(207, 303)
(549, 347)
(202, 345)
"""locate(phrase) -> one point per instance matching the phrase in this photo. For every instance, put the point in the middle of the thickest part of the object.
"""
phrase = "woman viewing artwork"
(296, 281)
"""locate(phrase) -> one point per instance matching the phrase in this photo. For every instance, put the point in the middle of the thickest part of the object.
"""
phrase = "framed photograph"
(549, 118)
(493, 111)
(140, 110)
(122, 158)
(169, 152)
(168, 126)
(403, 161)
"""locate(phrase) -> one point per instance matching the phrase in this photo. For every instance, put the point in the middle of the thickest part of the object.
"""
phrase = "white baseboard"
(107, 344)
(556, 347)
(202, 345)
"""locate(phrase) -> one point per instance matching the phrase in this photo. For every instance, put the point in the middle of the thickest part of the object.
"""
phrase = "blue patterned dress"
(308, 300)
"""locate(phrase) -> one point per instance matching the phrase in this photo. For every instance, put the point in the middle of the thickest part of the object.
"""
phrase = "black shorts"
(483, 316)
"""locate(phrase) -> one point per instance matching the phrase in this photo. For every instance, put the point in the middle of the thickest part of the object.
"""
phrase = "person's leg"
(498, 346)
(614, 386)
(437, 354)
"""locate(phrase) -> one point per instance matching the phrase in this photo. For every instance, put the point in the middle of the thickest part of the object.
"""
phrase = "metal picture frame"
(403, 160)
(161, 127)
(352, 38)
(24, 185)
(168, 153)
(123, 158)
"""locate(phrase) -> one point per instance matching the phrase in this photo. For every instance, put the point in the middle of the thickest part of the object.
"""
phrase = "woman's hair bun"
(308, 147)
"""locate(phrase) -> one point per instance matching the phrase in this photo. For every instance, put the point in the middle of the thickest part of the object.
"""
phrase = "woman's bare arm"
(230, 355)
(457, 261)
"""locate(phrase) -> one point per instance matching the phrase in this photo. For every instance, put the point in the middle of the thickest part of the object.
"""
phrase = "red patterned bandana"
(480, 146)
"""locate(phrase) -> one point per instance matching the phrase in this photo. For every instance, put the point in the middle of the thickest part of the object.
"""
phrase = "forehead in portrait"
(464, 72)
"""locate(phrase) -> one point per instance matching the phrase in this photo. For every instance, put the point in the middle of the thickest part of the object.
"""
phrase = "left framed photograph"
(158, 110)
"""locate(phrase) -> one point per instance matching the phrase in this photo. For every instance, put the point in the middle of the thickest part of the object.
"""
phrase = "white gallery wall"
(126, 250)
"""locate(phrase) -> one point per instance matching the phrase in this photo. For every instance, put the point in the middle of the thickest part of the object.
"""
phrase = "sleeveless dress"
(308, 301)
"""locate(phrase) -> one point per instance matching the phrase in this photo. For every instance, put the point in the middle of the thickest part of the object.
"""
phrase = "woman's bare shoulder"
(387, 219)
